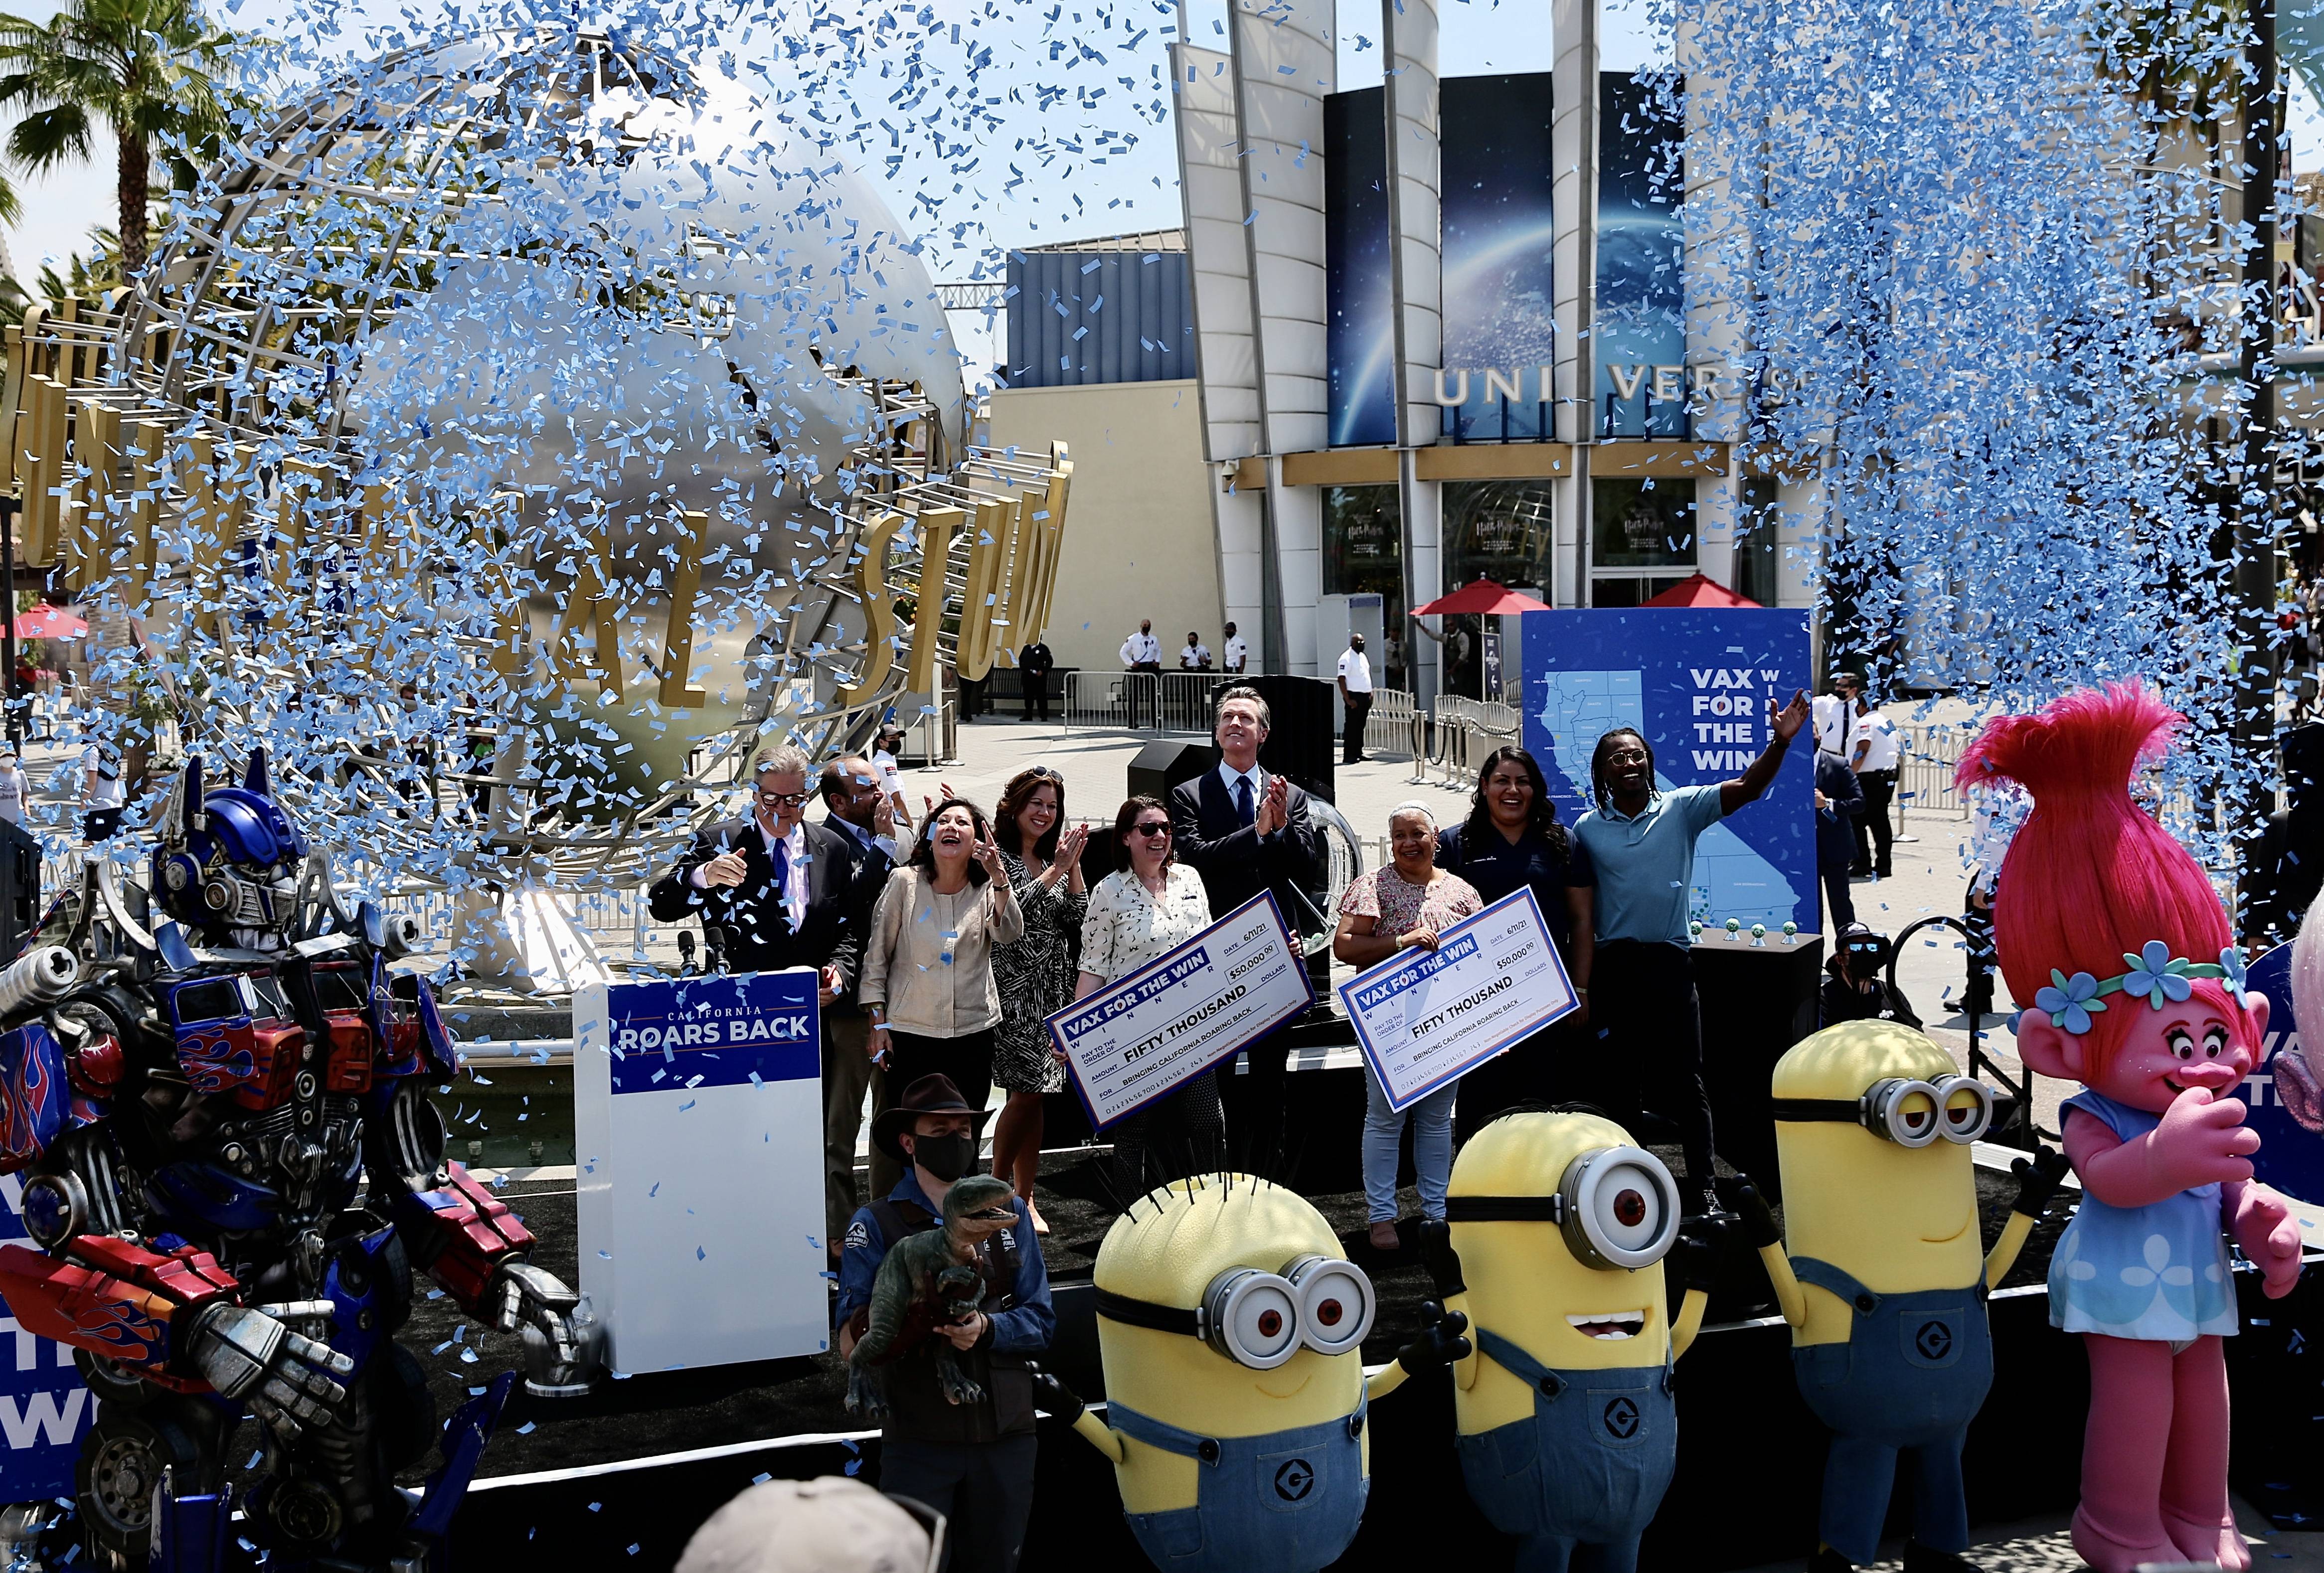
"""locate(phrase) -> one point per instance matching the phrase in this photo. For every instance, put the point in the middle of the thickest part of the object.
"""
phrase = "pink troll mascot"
(2110, 929)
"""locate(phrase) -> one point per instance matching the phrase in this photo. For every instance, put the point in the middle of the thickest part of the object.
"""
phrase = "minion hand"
(1052, 1396)
(1751, 1210)
(1444, 1338)
(1701, 1249)
(2037, 1180)
(1444, 1263)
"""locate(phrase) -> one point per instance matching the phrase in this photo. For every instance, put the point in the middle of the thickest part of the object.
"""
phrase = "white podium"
(697, 1111)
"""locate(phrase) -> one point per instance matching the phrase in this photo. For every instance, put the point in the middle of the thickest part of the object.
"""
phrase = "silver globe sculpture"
(553, 319)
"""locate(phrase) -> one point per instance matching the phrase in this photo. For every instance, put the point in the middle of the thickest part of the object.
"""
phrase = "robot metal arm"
(175, 1319)
(467, 1241)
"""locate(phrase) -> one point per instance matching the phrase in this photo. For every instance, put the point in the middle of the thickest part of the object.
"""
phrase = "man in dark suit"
(861, 816)
(776, 889)
(1245, 830)
(1034, 665)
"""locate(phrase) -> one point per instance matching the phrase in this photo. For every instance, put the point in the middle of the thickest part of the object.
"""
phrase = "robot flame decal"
(133, 1335)
(32, 1094)
(218, 1058)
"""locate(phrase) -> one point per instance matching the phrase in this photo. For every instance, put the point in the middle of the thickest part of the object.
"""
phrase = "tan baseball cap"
(828, 1525)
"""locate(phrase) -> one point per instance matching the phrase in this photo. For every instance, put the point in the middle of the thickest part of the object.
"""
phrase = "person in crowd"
(104, 795)
(1639, 843)
(1245, 830)
(1355, 681)
(480, 744)
(886, 744)
(857, 814)
(1034, 665)
(1196, 656)
(1041, 856)
(16, 788)
(1149, 905)
(928, 957)
(1840, 803)
(1869, 743)
(1140, 652)
(2283, 865)
(771, 891)
(830, 1524)
(1234, 654)
(1403, 906)
(1511, 841)
(1995, 812)
(415, 777)
(972, 701)
(971, 1462)
(1392, 663)
(1857, 988)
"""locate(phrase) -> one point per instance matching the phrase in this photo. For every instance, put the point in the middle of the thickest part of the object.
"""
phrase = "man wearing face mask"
(972, 1462)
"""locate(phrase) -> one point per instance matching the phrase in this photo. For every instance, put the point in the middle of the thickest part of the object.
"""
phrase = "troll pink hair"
(2089, 876)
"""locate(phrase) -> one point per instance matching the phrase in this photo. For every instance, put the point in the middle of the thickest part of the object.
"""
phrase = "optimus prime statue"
(194, 1107)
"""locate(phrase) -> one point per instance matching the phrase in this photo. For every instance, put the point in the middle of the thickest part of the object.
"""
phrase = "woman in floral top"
(1147, 907)
(1035, 975)
(1404, 905)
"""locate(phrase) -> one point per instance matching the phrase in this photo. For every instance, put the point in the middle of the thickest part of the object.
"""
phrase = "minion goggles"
(1904, 1110)
(1617, 1207)
(1260, 1319)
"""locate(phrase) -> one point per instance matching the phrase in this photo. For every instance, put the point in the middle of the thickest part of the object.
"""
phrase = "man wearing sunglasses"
(771, 891)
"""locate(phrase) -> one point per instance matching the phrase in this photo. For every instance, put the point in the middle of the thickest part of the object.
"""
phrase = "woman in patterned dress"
(1043, 857)
(1150, 904)
(1402, 906)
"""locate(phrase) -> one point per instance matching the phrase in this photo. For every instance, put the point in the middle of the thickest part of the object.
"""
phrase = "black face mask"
(945, 1157)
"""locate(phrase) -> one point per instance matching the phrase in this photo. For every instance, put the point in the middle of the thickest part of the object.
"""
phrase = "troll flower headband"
(2154, 974)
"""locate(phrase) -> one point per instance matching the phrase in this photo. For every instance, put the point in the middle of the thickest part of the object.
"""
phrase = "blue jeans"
(1432, 1147)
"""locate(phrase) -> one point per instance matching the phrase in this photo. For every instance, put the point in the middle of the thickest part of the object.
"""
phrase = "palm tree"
(150, 70)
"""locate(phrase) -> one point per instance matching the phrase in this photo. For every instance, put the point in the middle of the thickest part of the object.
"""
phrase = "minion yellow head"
(1226, 1307)
(1581, 1290)
(1872, 1127)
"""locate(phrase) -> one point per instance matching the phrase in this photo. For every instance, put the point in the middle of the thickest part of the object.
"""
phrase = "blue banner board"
(2291, 1155)
(44, 1407)
(1695, 682)
(680, 1032)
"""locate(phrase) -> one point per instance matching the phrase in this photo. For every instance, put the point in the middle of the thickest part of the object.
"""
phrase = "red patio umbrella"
(49, 623)
(1698, 591)
(1478, 597)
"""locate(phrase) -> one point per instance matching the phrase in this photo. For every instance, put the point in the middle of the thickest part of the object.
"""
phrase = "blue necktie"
(1245, 813)
(782, 887)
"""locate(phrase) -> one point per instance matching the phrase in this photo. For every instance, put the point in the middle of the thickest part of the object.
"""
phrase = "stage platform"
(643, 1461)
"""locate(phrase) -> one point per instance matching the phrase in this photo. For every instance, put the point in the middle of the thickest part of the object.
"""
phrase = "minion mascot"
(1231, 1327)
(1882, 1284)
(1568, 1434)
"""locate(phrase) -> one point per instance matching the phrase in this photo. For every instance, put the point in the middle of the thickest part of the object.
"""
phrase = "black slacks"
(1647, 1056)
(1874, 832)
(984, 1489)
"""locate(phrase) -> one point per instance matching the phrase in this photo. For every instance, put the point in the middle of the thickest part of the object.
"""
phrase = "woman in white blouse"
(1147, 907)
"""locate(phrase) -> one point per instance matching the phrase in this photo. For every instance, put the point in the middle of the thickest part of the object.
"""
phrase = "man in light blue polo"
(1637, 847)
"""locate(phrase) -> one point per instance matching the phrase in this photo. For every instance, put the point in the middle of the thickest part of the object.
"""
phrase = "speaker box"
(1299, 733)
(1162, 764)
(20, 887)
(1757, 1001)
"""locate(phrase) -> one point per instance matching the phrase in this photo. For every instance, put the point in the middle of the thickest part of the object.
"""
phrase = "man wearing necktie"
(1245, 830)
(771, 891)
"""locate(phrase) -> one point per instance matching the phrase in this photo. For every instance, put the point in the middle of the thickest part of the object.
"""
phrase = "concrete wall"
(1139, 542)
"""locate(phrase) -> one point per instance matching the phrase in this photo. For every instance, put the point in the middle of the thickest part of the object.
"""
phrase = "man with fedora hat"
(972, 1462)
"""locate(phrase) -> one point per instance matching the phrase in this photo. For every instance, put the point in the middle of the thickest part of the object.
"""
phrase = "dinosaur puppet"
(926, 1281)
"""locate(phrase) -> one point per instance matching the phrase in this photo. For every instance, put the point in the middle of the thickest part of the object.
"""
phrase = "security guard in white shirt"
(1356, 693)
(1233, 654)
(1141, 652)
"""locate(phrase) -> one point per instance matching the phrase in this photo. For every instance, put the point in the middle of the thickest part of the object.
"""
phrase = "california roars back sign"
(44, 1408)
(698, 1108)
(1696, 684)
(2288, 1117)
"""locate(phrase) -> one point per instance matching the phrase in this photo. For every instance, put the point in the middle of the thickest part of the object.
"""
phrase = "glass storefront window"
(1642, 524)
(1363, 553)
(1502, 530)
(1758, 545)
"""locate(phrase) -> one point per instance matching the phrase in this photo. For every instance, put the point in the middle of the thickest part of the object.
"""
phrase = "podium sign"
(698, 1109)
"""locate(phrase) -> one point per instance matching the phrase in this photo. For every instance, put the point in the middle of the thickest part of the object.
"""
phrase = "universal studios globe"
(550, 295)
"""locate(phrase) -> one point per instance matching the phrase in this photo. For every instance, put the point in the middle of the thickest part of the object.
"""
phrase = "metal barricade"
(1106, 701)
(1388, 733)
(1927, 757)
(1183, 701)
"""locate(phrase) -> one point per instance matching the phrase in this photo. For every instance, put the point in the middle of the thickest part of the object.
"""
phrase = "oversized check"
(1145, 1034)
(1427, 1018)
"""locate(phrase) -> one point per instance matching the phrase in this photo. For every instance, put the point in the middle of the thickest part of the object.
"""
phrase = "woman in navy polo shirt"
(1510, 840)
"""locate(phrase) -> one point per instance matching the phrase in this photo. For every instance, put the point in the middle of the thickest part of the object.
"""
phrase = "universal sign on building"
(1462, 318)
